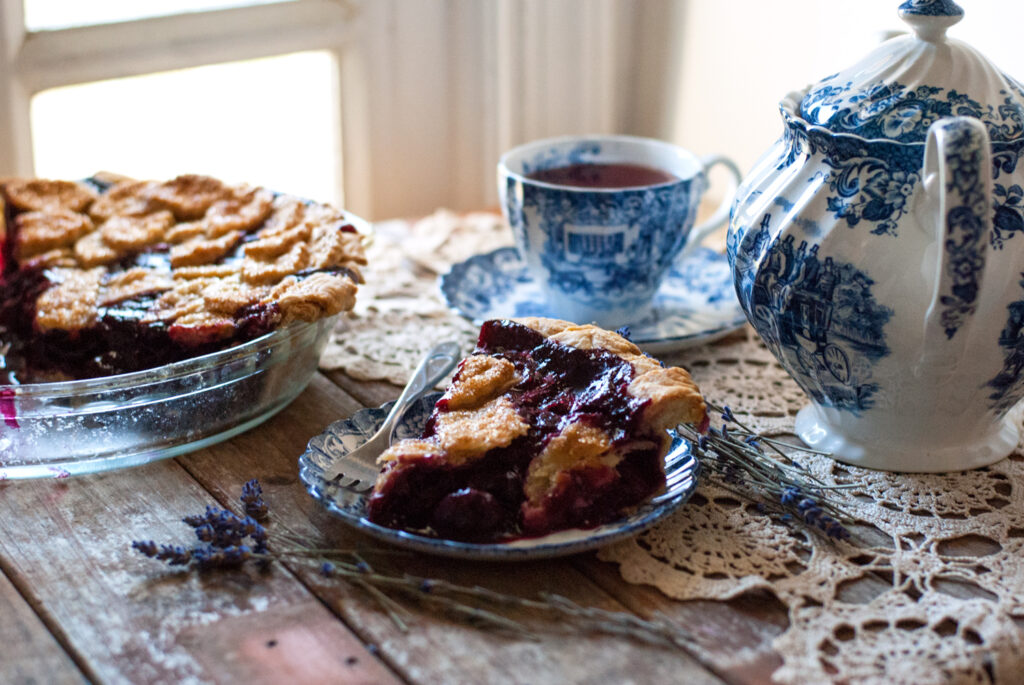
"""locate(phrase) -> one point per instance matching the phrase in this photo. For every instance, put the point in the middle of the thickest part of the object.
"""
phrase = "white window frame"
(430, 91)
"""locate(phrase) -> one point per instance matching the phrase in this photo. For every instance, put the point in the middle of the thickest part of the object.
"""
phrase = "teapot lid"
(900, 88)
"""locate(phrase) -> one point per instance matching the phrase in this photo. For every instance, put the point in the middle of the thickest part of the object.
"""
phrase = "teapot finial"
(931, 18)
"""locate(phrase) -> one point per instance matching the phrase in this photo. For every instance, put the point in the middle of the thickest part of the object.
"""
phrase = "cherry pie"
(547, 426)
(114, 275)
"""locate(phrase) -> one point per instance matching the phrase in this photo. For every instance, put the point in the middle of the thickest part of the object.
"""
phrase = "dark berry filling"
(484, 500)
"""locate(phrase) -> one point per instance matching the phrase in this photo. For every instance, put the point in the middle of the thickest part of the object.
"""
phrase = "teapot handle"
(958, 175)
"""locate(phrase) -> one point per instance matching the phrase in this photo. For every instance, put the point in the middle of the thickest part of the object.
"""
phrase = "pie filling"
(559, 441)
(103, 279)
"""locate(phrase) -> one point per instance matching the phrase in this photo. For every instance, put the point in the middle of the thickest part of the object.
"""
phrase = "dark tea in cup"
(612, 175)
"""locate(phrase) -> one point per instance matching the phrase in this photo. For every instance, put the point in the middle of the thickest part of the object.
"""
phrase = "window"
(247, 90)
(271, 121)
(41, 15)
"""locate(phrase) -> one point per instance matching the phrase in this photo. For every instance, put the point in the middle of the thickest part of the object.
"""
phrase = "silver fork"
(358, 469)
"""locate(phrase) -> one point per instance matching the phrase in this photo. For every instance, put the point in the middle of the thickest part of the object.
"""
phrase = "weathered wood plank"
(29, 653)
(65, 545)
(731, 638)
(368, 393)
(437, 648)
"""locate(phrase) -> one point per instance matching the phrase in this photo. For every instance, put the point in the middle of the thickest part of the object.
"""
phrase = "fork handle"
(432, 368)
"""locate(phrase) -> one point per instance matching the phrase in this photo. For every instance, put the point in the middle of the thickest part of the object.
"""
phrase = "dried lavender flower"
(222, 557)
(172, 554)
(737, 456)
(224, 536)
(252, 499)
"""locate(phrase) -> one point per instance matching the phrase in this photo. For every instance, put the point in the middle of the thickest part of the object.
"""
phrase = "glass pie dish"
(143, 319)
(98, 424)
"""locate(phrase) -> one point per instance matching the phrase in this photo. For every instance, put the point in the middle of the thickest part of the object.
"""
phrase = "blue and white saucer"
(345, 435)
(696, 304)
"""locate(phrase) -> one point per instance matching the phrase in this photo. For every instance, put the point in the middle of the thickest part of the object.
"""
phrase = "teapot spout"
(958, 182)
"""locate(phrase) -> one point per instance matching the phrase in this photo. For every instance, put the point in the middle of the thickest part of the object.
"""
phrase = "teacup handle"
(701, 231)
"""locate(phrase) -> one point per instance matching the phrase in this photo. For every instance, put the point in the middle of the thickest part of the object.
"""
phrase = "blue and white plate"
(696, 304)
(346, 434)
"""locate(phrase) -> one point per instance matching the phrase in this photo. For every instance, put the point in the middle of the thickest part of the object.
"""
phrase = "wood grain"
(29, 653)
(733, 638)
(437, 648)
(130, 619)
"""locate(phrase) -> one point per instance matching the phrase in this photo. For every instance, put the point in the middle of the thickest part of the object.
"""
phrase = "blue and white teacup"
(601, 253)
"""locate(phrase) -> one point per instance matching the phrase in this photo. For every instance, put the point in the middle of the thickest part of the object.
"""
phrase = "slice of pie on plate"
(548, 425)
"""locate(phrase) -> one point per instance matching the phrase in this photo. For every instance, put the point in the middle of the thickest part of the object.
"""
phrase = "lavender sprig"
(226, 540)
(756, 467)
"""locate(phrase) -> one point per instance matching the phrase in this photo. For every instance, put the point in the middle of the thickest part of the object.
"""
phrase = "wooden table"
(78, 604)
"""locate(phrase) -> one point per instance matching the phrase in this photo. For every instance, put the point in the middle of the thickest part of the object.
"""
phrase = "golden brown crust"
(577, 446)
(243, 210)
(198, 222)
(198, 251)
(467, 427)
(91, 250)
(188, 196)
(314, 297)
(126, 198)
(466, 434)
(132, 283)
(39, 232)
(43, 195)
(674, 397)
(125, 234)
(463, 434)
(480, 378)
(71, 303)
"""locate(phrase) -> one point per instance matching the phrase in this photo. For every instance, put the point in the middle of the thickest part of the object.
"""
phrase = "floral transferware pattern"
(1008, 384)
(695, 302)
(868, 180)
(966, 221)
(873, 180)
(932, 8)
(612, 249)
(899, 113)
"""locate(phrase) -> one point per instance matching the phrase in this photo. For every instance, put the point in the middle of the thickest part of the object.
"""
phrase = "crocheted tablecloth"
(931, 588)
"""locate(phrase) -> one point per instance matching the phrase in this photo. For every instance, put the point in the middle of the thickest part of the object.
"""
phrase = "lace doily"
(399, 313)
(931, 588)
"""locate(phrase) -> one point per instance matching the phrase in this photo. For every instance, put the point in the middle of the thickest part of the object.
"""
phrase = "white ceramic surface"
(875, 249)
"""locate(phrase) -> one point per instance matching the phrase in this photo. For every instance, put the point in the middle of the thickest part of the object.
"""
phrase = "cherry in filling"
(483, 499)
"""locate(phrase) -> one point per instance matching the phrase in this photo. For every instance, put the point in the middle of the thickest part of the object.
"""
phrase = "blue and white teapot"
(878, 249)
